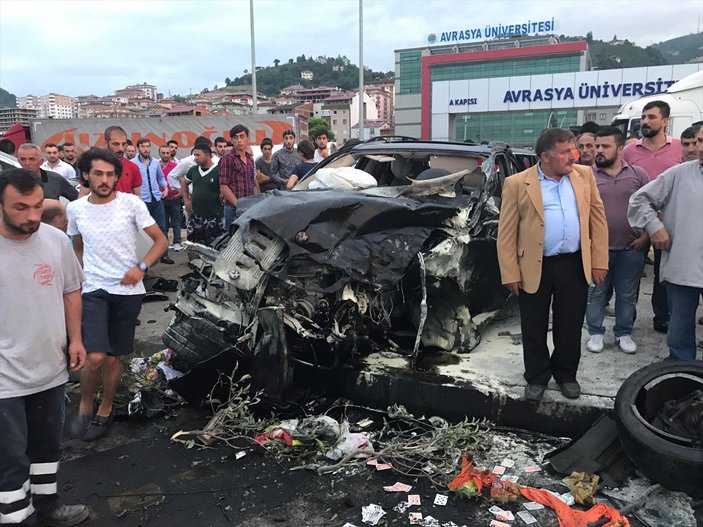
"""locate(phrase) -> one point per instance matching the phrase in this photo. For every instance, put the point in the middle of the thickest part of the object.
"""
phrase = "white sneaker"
(595, 343)
(626, 344)
(177, 247)
(170, 247)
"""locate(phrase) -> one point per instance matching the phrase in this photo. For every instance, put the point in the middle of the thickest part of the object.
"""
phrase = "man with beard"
(131, 150)
(105, 226)
(617, 180)
(54, 185)
(154, 186)
(205, 215)
(40, 321)
(131, 179)
(285, 160)
(655, 153)
(173, 147)
(69, 153)
(552, 242)
(669, 209)
(220, 146)
(586, 143)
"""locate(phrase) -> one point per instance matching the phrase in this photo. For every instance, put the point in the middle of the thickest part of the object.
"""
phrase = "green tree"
(7, 99)
(228, 81)
(276, 62)
(315, 124)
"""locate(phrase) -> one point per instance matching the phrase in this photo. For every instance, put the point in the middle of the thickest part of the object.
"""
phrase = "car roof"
(410, 145)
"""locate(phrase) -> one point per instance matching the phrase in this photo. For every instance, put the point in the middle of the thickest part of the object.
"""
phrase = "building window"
(334, 121)
(603, 116)
(410, 71)
(344, 121)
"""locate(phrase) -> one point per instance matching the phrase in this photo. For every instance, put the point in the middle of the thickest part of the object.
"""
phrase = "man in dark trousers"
(39, 274)
(552, 242)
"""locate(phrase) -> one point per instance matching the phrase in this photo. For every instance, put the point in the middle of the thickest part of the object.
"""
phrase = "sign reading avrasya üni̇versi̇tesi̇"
(493, 31)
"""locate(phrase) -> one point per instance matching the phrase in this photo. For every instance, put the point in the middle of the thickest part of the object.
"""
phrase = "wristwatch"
(143, 267)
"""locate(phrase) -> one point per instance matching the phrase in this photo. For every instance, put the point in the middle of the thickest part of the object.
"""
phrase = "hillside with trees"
(7, 99)
(327, 71)
(688, 48)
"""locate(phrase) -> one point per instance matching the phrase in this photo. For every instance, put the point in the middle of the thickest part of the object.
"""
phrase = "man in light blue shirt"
(561, 215)
(552, 242)
(153, 186)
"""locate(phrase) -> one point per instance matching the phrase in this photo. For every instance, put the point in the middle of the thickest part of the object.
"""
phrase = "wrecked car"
(385, 245)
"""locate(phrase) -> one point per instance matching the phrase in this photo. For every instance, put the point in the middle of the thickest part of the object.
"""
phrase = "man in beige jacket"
(552, 242)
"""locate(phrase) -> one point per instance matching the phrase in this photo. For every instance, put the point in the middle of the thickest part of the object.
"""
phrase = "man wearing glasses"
(285, 160)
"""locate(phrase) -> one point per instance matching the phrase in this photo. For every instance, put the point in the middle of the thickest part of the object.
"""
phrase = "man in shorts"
(105, 226)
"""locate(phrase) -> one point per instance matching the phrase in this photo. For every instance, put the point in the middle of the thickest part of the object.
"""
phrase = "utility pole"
(254, 97)
(361, 70)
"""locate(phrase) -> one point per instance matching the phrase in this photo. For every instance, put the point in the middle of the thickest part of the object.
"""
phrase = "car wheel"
(672, 460)
(193, 340)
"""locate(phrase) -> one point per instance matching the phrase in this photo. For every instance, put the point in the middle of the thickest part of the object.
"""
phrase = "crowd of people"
(574, 230)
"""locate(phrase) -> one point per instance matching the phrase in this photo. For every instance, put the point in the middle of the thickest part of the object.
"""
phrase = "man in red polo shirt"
(131, 178)
(655, 153)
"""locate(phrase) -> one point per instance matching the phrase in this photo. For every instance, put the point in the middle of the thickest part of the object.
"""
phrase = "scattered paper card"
(364, 423)
(440, 499)
(498, 470)
(511, 479)
(533, 506)
(413, 499)
(495, 509)
(348, 525)
(496, 523)
(372, 461)
(383, 466)
(429, 521)
(402, 507)
(507, 463)
(372, 513)
(415, 518)
(532, 468)
(505, 516)
(527, 517)
(240, 454)
(398, 487)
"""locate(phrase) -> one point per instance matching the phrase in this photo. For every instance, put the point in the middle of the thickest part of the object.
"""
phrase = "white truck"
(685, 98)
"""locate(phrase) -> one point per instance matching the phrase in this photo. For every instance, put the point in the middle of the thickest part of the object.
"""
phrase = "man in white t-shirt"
(105, 226)
(40, 340)
(324, 147)
(54, 163)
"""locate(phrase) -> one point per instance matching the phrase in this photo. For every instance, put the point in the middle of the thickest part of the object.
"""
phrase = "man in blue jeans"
(676, 195)
(617, 180)
(237, 173)
(153, 187)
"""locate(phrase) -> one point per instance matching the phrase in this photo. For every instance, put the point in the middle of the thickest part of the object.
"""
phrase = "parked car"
(385, 245)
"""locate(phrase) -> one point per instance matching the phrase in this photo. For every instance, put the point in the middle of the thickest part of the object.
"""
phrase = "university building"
(512, 88)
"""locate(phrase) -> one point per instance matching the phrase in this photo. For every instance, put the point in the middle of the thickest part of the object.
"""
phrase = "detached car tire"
(193, 340)
(675, 463)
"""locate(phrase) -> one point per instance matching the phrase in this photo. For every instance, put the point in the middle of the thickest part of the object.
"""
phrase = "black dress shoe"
(534, 392)
(570, 390)
(166, 260)
(661, 327)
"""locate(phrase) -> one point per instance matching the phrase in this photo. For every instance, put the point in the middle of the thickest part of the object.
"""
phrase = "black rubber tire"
(675, 466)
(193, 340)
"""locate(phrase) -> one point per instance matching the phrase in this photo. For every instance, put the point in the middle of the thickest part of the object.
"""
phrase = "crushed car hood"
(370, 239)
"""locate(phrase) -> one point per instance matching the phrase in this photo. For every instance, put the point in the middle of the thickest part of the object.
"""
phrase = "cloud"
(85, 46)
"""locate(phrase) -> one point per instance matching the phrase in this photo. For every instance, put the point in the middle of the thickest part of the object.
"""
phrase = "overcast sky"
(80, 47)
